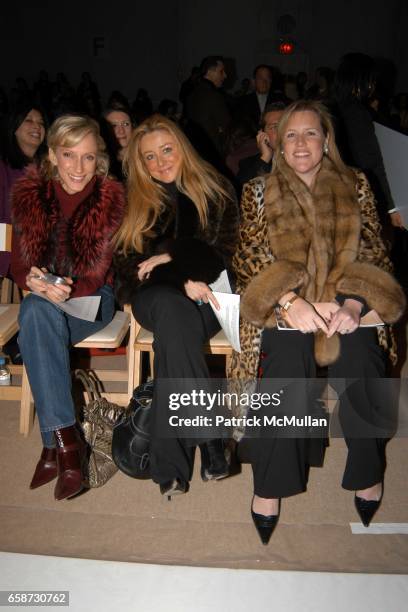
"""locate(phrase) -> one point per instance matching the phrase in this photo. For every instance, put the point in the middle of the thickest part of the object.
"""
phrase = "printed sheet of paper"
(222, 283)
(228, 315)
(85, 308)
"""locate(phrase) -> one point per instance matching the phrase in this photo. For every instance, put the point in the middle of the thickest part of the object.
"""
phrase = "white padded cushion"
(112, 334)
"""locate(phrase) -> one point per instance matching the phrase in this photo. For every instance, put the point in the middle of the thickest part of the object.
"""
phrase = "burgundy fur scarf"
(37, 219)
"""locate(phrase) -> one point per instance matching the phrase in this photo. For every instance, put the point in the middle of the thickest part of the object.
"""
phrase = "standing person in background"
(253, 105)
(64, 216)
(24, 135)
(354, 87)
(207, 112)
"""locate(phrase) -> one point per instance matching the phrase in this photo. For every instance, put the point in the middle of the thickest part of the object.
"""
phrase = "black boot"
(214, 464)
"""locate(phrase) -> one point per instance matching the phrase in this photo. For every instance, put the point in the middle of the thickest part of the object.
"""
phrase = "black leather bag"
(131, 435)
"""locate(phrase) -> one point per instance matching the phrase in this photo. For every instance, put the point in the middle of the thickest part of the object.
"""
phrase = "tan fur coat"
(320, 243)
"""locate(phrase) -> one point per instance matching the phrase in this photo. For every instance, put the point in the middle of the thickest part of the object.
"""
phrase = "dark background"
(153, 44)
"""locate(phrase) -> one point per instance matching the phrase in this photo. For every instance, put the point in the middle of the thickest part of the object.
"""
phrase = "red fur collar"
(37, 217)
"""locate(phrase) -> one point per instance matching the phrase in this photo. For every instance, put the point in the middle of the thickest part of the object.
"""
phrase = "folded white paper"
(85, 308)
(228, 315)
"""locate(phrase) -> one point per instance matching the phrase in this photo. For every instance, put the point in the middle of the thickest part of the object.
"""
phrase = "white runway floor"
(104, 586)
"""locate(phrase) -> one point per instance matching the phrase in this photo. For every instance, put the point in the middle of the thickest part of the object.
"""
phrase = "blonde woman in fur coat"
(310, 243)
(180, 231)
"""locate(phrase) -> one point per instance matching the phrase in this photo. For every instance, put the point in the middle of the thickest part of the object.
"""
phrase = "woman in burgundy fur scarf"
(64, 217)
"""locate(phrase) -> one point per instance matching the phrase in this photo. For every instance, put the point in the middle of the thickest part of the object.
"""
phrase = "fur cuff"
(193, 259)
(378, 288)
(125, 275)
(327, 350)
(265, 289)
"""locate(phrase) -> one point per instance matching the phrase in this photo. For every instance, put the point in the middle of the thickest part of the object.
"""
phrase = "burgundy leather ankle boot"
(46, 469)
(72, 463)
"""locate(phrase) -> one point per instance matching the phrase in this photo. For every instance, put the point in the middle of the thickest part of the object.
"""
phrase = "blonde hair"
(327, 126)
(68, 131)
(146, 198)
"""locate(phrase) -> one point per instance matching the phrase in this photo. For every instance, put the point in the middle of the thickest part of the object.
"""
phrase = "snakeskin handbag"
(99, 419)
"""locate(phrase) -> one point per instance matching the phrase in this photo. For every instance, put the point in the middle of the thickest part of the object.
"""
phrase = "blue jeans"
(46, 335)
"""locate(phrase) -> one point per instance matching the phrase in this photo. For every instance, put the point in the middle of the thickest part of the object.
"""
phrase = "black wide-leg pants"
(280, 465)
(180, 329)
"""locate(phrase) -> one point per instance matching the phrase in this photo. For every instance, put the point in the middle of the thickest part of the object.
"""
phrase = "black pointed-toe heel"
(265, 525)
(173, 487)
(366, 508)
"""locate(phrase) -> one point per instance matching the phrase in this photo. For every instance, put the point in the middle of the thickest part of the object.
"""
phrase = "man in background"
(207, 113)
(253, 105)
(261, 163)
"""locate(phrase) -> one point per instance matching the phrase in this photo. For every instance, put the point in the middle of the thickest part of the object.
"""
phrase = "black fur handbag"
(131, 435)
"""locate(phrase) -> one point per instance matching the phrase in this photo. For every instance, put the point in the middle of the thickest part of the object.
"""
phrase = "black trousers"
(180, 329)
(280, 465)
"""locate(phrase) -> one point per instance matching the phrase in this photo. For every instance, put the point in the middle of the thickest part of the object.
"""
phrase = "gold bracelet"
(289, 303)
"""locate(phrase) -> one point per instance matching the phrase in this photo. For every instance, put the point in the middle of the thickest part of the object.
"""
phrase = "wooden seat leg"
(151, 362)
(6, 291)
(27, 406)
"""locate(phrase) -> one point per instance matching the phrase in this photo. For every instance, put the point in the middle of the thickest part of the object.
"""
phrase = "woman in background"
(117, 133)
(22, 145)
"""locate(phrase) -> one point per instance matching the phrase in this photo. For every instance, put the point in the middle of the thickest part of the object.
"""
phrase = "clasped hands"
(197, 291)
(55, 293)
(330, 317)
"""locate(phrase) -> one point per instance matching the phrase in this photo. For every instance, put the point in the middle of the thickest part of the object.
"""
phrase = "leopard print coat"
(254, 255)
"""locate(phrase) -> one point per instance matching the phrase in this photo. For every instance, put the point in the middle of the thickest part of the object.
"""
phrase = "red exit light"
(286, 48)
